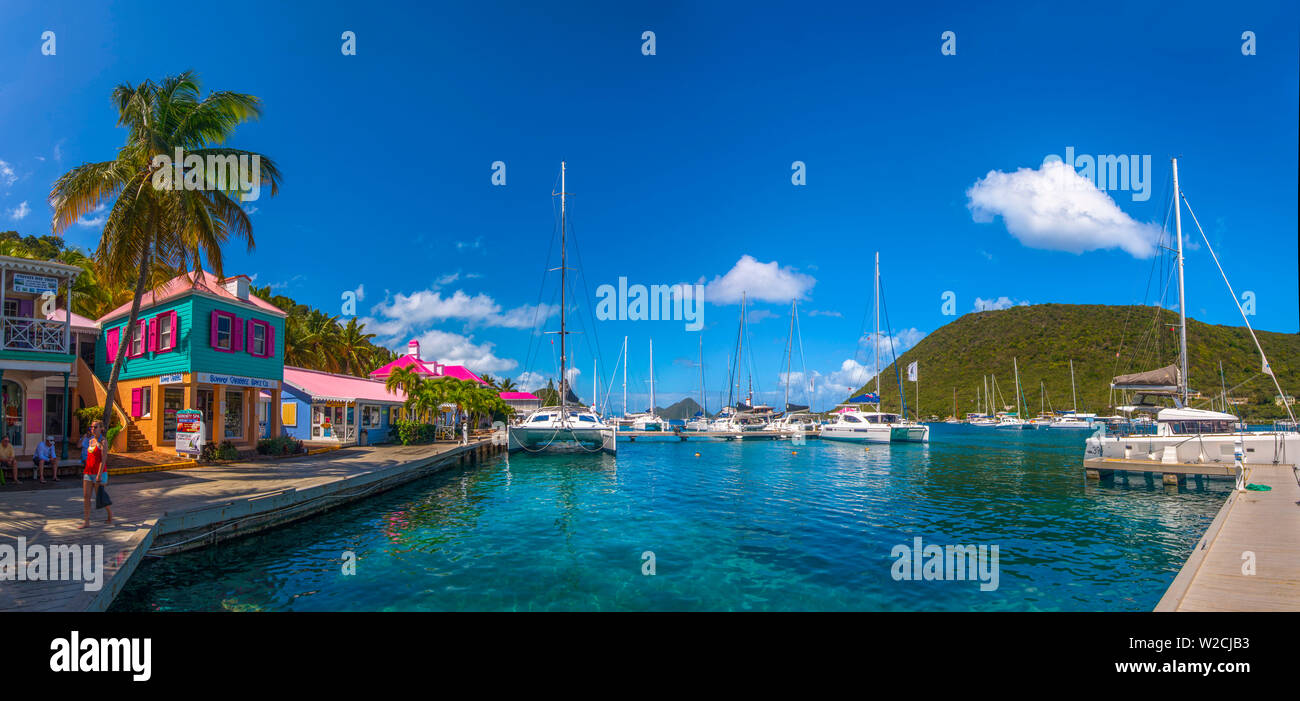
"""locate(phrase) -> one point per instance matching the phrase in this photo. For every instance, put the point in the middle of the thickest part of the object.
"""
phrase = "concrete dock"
(171, 511)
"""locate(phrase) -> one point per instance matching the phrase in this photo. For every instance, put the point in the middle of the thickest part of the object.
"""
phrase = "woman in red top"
(94, 474)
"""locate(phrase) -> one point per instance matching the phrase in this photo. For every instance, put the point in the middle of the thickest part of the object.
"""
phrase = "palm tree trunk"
(122, 344)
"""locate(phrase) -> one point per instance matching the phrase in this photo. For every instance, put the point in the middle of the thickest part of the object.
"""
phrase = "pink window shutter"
(216, 316)
(176, 332)
(237, 332)
(251, 334)
(136, 401)
(153, 334)
(270, 341)
(111, 341)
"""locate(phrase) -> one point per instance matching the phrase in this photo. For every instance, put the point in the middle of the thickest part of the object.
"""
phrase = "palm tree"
(150, 225)
(507, 385)
(354, 348)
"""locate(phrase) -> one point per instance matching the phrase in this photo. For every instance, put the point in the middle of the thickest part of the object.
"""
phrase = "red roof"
(331, 387)
(189, 282)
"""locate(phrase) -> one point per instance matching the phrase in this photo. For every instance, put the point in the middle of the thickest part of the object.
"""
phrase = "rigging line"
(803, 360)
(1237, 302)
(586, 290)
(541, 288)
(534, 344)
(902, 396)
(1150, 276)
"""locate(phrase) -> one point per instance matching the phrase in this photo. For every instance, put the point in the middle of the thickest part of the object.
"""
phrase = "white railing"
(34, 335)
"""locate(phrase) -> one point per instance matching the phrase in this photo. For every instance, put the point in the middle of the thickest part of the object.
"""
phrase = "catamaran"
(1184, 434)
(563, 427)
(851, 424)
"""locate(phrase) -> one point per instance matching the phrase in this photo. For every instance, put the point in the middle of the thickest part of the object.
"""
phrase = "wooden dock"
(710, 435)
(1249, 557)
(172, 511)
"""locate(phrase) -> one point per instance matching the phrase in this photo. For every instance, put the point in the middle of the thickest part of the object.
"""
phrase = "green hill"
(683, 409)
(1103, 341)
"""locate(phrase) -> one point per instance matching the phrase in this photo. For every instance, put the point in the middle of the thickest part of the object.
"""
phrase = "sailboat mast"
(789, 353)
(625, 376)
(876, 335)
(652, 377)
(563, 284)
(703, 400)
(1016, 369)
(1074, 398)
(1182, 301)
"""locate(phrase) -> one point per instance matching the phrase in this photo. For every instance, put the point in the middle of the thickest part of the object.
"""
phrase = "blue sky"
(680, 162)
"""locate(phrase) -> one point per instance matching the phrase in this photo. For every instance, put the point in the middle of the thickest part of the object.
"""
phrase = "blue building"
(324, 407)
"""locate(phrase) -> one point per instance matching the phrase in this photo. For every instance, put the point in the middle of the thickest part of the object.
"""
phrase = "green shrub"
(408, 432)
(227, 451)
(281, 445)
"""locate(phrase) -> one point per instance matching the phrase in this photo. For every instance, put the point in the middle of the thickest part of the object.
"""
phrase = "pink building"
(426, 368)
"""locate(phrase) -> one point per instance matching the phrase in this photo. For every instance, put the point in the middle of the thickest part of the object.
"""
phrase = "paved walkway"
(51, 516)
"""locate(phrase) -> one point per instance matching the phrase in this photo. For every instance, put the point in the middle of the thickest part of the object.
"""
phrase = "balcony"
(38, 335)
(28, 289)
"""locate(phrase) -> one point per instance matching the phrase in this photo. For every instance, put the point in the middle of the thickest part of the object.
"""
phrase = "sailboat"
(1072, 418)
(562, 428)
(742, 417)
(852, 424)
(647, 420)
(796, 419)
(1015, 423)
(700, 422)
(1184, 434)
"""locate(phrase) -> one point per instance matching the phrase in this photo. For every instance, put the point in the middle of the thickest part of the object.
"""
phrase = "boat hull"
(1281, 448)
(876, 433)
(562, 439)
(912, 433)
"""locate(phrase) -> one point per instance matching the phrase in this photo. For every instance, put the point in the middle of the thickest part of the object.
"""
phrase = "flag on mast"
(911, 372)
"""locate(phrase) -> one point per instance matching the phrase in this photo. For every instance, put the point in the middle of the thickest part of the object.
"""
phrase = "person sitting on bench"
(46, 456)
(7, 457)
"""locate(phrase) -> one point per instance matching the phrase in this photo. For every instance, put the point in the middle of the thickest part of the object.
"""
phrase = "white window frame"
(230, 332)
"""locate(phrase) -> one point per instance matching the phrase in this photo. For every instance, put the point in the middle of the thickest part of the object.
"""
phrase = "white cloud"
(409, 311)
(96, 217)
(7, 175)
(19, 212)
(1004, 302)
(455, 349)
(530, 380)
(1055, 208)
(826, 312)
(761, 282)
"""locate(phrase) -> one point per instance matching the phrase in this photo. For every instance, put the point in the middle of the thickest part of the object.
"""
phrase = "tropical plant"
(149, 225)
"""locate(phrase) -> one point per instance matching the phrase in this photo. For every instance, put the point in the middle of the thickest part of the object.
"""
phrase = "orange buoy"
(697, 455)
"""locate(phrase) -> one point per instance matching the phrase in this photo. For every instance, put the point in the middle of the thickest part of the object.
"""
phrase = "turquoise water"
(759, 526)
